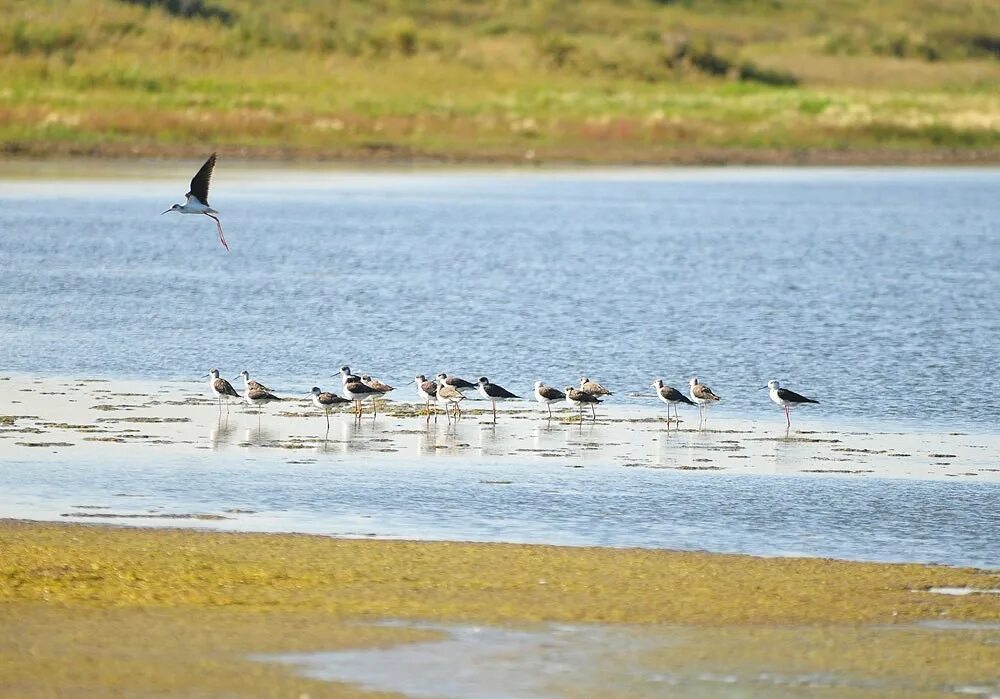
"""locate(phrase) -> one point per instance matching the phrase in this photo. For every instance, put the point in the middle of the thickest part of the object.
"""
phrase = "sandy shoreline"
(209, 600)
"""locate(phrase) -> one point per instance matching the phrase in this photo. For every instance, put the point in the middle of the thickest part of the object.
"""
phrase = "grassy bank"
(98, 610)
(536, 80)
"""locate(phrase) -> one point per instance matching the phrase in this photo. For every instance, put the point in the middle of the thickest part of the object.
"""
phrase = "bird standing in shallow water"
(197, 198)
(670, 396)
(786, 399)
(427, 390)
(577, 399)
(381, 386)
(449, 395)
(256, 396)
(492, 392)
(245, 375)
(358, 392)
(593, 388)
(460, 384)
(326, 401)
(703, 396)
(548, 395)
(221, 388)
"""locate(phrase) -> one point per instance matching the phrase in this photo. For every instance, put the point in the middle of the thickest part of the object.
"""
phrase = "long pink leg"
(788, 418)
(218, 224)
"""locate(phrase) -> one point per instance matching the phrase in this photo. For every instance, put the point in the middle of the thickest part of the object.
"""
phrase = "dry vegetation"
(606, 81)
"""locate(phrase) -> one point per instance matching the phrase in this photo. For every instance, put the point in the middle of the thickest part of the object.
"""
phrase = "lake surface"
(874, 291)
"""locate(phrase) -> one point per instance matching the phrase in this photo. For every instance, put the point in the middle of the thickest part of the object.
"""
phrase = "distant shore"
(517, 155)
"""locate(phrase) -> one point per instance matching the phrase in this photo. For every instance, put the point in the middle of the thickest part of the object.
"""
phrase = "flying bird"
(197, 198)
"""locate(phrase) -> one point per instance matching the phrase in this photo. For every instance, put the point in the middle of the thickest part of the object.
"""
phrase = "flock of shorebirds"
(446, 390)
(449, 392)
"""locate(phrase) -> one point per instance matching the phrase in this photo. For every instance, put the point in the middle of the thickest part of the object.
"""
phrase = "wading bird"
(256, 397)
(221, 388)
(670, 396)
(492, 392)
(703, 396)
(326, 401)
(245, 375)
(593, 388)
(577, 399)
(449, 395)
(548, 395)
(197, 198)
(785, 398)
(358, 392)
(460, 384)
(427, 390)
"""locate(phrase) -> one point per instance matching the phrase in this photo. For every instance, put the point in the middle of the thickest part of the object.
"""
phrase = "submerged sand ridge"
(67, 417)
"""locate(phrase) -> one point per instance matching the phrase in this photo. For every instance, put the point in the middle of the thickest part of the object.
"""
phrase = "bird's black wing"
(550, 393)
(671, 393)
(793, 397)
(200, 182)
(495, 391)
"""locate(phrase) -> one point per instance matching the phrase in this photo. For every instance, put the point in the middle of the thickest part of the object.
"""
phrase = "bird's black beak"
(206, 376)
(167, 211)
(762, 388)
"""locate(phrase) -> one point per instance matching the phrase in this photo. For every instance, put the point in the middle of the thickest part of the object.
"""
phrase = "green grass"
(600, 81)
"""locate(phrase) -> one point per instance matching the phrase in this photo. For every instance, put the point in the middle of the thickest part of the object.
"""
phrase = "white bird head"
(345, 370)
(694, 381)
(773, 384)
(538, 385)
(657, 384)
(175, 207)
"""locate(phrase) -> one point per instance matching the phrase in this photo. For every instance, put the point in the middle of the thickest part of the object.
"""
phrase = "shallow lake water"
(873, 290)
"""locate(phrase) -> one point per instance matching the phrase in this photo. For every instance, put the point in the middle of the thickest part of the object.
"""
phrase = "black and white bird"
(670, 396)
(576, 399)
(492, 392)
(220, 388)
(326, 401)
(460, 384)
(703, 396)
(548, 395)
(197, 198)
(785, 398)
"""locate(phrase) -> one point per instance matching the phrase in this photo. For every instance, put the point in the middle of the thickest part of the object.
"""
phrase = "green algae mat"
(106, 611)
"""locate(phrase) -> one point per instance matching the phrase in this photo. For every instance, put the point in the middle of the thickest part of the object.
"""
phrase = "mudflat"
(100, 610)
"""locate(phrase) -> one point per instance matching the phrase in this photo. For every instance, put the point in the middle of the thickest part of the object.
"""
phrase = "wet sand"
(96, 610)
